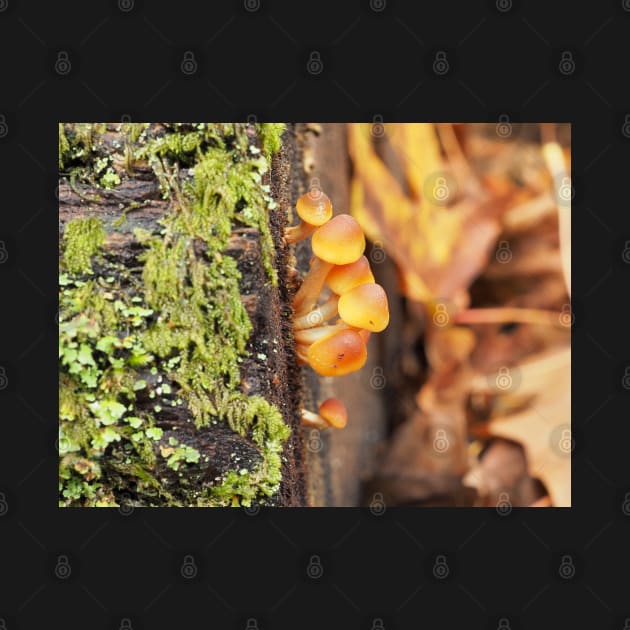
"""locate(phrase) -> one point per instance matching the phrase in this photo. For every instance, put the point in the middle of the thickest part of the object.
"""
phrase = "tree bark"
(142, 423)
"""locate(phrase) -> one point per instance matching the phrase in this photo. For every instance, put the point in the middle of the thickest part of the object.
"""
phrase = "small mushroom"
(365, 306)
(338, 354)
(314, 209)
(339, 242)
(342, 278)
(332, 413)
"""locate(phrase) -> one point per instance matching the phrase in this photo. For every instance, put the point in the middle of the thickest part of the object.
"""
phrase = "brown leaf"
(543, 428)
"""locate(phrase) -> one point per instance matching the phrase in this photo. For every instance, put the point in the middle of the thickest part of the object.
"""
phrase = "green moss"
(84, 157)
(271, 137)
(64, 146)
(181, 320)
(82, 239)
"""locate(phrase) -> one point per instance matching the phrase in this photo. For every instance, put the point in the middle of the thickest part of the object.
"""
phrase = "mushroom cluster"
(338, 305)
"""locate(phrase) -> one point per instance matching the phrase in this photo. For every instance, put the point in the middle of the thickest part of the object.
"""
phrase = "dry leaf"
(440, 243)
(544, 427)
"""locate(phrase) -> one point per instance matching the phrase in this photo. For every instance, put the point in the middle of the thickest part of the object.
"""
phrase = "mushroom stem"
(307, 295)
(311, 335)
(317, 316)
(298, 232)
(313, 420)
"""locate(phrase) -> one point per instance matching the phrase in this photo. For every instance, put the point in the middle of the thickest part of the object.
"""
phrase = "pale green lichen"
(189, 325)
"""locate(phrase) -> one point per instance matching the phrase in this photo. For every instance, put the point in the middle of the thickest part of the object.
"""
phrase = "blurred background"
(466, 397)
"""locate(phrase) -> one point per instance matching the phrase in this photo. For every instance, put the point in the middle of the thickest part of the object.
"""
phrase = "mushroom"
(332, 413)
(315, 209)
(338, 354)
(342, 278)
(338, 242)
(365, 306)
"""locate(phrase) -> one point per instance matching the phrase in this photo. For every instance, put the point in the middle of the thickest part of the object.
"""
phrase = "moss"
(271, 137)
(82, 239)
(84, 157)
(181, 320)
(64, 146)
(133, 131)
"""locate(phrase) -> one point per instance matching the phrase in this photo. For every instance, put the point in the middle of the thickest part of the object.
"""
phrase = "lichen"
(181, 320)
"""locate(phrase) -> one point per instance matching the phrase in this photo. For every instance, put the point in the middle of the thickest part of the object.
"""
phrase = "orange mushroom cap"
(338, 354)
(334, 412)
(365, 306)
(342, 278)
(314, 207)
(340, 241)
